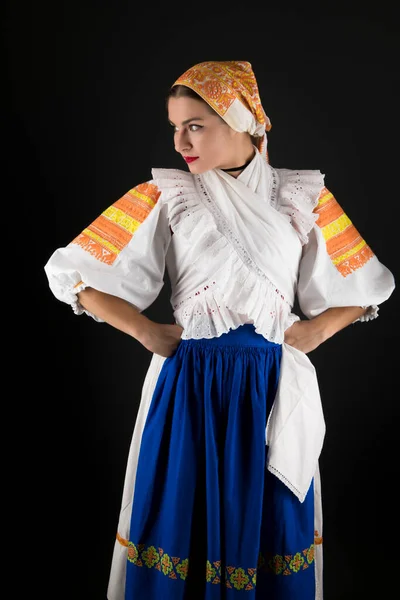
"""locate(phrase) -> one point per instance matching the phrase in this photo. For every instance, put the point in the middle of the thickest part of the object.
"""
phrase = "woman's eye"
(192, 127)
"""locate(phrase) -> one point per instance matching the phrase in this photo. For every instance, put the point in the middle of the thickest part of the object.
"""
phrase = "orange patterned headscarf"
(231, 89)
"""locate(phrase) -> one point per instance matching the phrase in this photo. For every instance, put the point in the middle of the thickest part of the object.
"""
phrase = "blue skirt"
(208, 520)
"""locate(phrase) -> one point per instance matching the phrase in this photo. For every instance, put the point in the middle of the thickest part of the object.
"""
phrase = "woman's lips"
(190, 159)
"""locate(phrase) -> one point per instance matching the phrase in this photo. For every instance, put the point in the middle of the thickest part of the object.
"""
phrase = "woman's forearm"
(158, 338)
(334, 319)
(114, 311)
(308, 334)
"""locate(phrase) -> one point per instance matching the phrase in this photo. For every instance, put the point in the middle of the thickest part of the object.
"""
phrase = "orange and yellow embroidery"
(347, 250)
(232, 577)
(107, 235)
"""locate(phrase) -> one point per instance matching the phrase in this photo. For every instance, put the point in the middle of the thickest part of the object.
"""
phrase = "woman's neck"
(235, 171)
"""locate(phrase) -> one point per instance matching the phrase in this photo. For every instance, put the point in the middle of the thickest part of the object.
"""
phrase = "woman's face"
(200, 134)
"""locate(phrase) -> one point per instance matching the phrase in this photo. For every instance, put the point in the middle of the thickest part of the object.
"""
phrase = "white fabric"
(239, 118)
(116, 584)
(321, 286)
(242, 120)
(318, 536)
(296, 427)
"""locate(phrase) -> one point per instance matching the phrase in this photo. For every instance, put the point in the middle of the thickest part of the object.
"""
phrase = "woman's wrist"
(140, 328)
(323, 327)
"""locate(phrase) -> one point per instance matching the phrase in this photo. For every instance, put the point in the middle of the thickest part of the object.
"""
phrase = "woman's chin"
(197, 168)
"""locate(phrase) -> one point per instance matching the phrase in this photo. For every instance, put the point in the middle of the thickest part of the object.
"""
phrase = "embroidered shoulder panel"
(110, 232)
(347, 250)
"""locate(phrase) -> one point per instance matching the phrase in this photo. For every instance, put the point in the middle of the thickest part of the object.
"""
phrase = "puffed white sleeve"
(122, 252)
(338, 268)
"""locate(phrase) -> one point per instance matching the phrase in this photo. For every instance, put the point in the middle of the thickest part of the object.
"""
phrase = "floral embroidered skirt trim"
(208, 520)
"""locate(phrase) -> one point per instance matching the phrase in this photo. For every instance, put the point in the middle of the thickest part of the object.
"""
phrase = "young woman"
(222, 490)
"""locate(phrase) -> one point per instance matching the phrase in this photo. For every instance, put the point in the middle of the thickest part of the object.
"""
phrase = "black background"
(85, 123)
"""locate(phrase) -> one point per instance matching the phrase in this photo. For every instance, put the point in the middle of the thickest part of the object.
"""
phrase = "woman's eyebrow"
(189, 120)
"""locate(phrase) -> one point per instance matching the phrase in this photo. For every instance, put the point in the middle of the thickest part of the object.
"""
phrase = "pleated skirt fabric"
(209, 521)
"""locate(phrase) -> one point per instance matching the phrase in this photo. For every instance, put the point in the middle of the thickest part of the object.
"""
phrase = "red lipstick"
(190, 159)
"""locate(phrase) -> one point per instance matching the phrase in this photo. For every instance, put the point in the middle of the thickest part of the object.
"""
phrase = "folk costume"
(222, 493)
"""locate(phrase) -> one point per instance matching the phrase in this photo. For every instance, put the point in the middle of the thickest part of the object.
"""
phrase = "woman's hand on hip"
(161, 339)
(304, 336)
(309, 334)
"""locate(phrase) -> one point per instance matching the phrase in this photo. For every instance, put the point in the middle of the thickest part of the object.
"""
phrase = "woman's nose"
(182, 142)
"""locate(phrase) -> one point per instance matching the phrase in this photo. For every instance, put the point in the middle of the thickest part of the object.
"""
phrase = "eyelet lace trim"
(274, 187)
(298, 194)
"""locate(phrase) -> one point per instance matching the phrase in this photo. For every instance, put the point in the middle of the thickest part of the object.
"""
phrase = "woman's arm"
(156, 337)
(309, 334)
